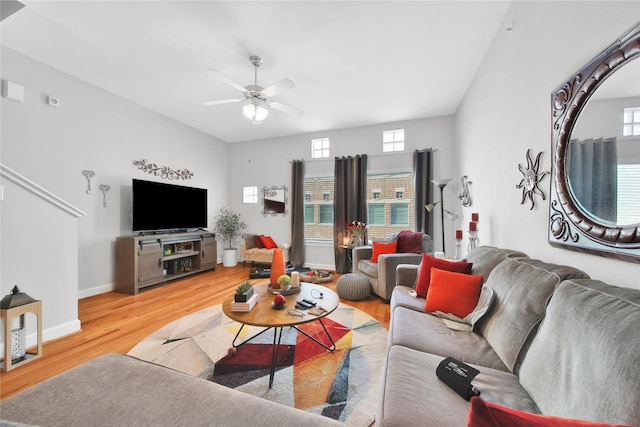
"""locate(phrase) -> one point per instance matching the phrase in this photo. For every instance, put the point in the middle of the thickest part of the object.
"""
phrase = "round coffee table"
(263, 315)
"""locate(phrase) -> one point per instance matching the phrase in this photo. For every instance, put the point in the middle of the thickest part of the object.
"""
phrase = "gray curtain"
(592, 168)
(298, 253)
(422, 176)
(349, 201)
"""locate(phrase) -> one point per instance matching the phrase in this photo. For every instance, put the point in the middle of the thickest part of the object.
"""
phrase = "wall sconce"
(464, 195)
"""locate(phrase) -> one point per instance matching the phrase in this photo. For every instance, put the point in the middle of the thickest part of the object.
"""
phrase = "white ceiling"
(354, 63)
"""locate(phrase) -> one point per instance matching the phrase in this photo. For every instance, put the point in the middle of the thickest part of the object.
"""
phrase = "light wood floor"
(114, 323)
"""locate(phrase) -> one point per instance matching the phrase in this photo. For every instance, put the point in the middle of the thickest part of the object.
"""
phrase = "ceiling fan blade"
(285, 108)
(228, 80)
(276, 88)
(223, 101)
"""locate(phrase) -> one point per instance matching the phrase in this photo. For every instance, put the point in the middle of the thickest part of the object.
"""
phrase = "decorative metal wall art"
(464, 195)
(88, 174)
(104, 188)
(164, 172)
(532, 177)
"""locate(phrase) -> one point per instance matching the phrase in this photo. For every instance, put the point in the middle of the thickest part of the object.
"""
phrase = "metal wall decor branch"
(164, 172)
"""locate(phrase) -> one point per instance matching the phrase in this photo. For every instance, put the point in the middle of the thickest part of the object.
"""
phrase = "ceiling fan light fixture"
(255, 112)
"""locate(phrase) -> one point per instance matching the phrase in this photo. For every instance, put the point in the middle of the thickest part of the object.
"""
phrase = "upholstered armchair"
(382, 274)
(250, 251)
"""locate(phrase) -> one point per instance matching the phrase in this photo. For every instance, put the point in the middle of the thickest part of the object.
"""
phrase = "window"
(390, 205)
(325, 214)
(309, 214)
(399, 214)
(631, 122)
(628, 183)
(376, 214)
(393, 140)
(318, 208)
(250, 194)
(319, 148)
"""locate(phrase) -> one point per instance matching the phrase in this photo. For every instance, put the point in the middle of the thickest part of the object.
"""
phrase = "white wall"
(91, 129)
(507, 110)
(267, 163)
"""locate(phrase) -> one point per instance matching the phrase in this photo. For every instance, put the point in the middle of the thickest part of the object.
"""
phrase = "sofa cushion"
(590, 336)
(268, 242)
(383, 248)
(521, 287)
(452, 292)
(429, 262)
(410, 242)
(425, 332)
(249, 241)
(486, 258)
(369, 268)
(411, 394)
(487, 414)
(258, 242)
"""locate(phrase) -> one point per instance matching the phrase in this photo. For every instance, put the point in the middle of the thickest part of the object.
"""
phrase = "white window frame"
(392, 140)
(320, 148)
(631, 121)
(250, 194)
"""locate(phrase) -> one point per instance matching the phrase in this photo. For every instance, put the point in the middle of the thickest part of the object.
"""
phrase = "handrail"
(27, 184)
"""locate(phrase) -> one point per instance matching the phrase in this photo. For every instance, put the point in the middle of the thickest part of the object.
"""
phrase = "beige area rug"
(342, 384)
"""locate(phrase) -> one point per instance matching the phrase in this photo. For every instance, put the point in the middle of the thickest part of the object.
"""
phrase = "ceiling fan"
(257, 96)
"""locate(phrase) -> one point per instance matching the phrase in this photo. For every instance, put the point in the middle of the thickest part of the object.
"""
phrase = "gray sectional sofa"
(553, 342)
(118, 390)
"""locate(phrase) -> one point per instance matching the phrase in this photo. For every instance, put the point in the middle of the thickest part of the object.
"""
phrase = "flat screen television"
(165, 207)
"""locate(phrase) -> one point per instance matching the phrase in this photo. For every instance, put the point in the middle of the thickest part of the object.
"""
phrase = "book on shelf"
(245, 306)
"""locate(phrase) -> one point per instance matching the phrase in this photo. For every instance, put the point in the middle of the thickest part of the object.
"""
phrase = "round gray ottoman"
(353, 286)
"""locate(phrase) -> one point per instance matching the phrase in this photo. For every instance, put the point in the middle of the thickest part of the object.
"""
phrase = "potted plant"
(244, 291)
(229, 226)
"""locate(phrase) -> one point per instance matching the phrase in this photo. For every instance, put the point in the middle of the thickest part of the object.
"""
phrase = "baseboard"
(84, 293)
(49, 334)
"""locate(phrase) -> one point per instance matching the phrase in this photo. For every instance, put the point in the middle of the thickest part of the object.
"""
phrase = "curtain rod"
(435, 150)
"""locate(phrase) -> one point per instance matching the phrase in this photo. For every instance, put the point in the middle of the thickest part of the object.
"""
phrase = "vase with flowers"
(357, 230)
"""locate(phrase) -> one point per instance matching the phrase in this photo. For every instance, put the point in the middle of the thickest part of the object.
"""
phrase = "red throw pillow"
(268, 242)
(487, 414)
(383, 248)
(409, 242)
(454, 293)
(429, 262)
(258, 241)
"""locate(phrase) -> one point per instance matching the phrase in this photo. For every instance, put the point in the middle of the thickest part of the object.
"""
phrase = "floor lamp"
(440, 183)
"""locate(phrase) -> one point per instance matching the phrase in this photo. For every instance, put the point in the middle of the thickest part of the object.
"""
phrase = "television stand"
(147, 260)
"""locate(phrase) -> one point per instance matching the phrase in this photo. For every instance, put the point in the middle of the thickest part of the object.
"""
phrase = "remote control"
(309, 302)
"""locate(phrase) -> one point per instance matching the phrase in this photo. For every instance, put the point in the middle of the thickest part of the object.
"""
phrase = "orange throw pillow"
(268, 242)
(486, 414)
(383, 248)
(429, 262)
(453, 293)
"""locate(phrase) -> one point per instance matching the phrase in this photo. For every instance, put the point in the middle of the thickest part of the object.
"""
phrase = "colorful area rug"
(342, 384)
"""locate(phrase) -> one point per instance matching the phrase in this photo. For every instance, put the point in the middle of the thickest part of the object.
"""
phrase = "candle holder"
(457, 255)
(473, 240)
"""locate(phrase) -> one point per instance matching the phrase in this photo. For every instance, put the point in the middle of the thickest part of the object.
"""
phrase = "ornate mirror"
(595, 143)
(274, 200)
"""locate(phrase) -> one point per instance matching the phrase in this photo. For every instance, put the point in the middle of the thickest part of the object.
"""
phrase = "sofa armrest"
(358, 254)
(406, 274)
(387, 264)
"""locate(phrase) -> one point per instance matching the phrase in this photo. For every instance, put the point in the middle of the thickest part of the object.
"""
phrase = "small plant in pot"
(244, 292)
(229, 226)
